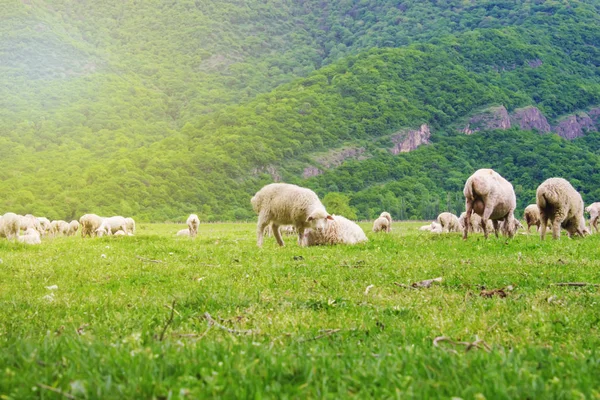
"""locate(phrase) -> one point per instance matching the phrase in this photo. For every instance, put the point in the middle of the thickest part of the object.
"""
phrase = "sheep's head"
(386, 215)
(510, 226)
(317, 220)
(100, 232)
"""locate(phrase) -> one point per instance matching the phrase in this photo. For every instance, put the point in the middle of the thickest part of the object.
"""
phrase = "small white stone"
(103, 255)
(53, 287)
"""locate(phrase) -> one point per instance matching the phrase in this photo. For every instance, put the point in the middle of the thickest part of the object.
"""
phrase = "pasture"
(116, 318)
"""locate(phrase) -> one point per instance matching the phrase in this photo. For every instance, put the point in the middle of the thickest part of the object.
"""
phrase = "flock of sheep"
(489, 198)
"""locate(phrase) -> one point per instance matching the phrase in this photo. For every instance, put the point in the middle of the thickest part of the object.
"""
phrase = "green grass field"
(108, 331)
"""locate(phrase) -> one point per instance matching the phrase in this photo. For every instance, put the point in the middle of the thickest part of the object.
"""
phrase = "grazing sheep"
(474, 223)
(130, 226)
(340, 230)
(532, 216)
(184, 232)
(560, 203)
(193, 222)
(594, 210)
(425, 228)
(492, 197)
(120, 233)
(449, 222)
(31, 236)
(44, 224)
(111, 225)
(383, 223)
(73, 227)
(29, 221)
(9, 225)
(284, 204)
(59, 227)
(89, 224)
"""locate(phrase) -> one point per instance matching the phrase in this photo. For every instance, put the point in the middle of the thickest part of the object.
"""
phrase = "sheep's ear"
(329, 217)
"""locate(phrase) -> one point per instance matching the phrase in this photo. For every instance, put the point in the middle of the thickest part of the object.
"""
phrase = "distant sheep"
(449, 222)
(532, 216)
(284, 204)
(130, 226)
(89, 223)
(340, 230)
(492, 197)
(562, 205)
(59, 227)
(73, 228)
(31, 236)
(594, 210)
(184, 232)
(193, 222)
(111, 225)
(44, 224)
(383, 223)
(9, 225)
(120, 232)
(29, 221)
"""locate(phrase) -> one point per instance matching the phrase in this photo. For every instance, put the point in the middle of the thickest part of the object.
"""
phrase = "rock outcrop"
(310, 172)
(575, 126)
(336, 157)
(530, 118)
(405, 141)
(269, 169)
(491, 118)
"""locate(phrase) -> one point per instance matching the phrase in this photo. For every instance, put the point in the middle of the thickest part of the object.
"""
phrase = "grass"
(316, 332)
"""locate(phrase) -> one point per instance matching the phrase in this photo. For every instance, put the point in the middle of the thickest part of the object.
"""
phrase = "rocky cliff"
(491, 118)
(405, 141)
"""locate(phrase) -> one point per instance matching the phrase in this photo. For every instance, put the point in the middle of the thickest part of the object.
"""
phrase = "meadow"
(165, 317)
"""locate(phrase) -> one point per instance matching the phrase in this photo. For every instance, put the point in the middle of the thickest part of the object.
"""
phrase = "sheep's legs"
(300, 236)
(277, 234)
(496, 227)
(469, 210)
(260, 231)
(556, 228)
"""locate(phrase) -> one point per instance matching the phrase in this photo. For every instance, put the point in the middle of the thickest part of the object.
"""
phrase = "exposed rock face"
(336, 157)
(269, 169)
(575, 126)
(311, 171)
(535, 63)
(594, 114)
(491, 118)
(409, 140)
(530, 118)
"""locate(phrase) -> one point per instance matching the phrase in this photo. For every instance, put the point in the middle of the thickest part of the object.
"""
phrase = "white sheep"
(492, 197)
(449, 222)
(59, 227)
(31, 236)
(383, 223)
(193, 222)
(532, 216)
(111, 225)
(560, 203)
(130, 226)
(44, 224)
(183, 232)
(594, 210)
(120, 233)
(89, 223)
(29, 221)
(339, 230)
(436, 228)
(73, 227)
(9, 225)
(284, 204)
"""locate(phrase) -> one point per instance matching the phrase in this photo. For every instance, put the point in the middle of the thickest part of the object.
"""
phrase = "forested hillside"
(156, 109)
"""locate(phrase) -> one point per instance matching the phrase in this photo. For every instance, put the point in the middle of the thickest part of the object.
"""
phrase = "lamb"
(44, 224)
(560, 203)
(193, 222)
(532, 216)
(284, 204)
(492, 197)
(120, 233)
(130, 226)
(59, 226)
(9, 225)
(184, 232)
(340, 230)
(594, 210)
(112, 225)
(29, 221)
(383, 223)
(89, 224)
(436, 228)
(449, 222)
(31, 236)
(73, 227)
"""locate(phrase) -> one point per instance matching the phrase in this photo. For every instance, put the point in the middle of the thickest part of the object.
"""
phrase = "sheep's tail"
(256, 202)
(541, 200)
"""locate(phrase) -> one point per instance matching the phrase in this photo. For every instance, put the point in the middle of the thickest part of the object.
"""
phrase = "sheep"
(111, 225)
(340, 230)
(31, 236)
(594, 210)
(120, 233)
(193, 222)
(9, 225)
(29, 221)
(59, 226)
(492, 197)
(130, 226)
(284, 204)
(474, 223)
(560, 203)
(383, 223)
(184, 232)
(89, 224)
(44, 224)
(425, 227)
(531, 215)
(449, 222)
(73, 227)
(436, 228)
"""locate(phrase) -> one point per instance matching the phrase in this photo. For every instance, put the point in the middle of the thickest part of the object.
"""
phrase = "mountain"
(157, 109)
